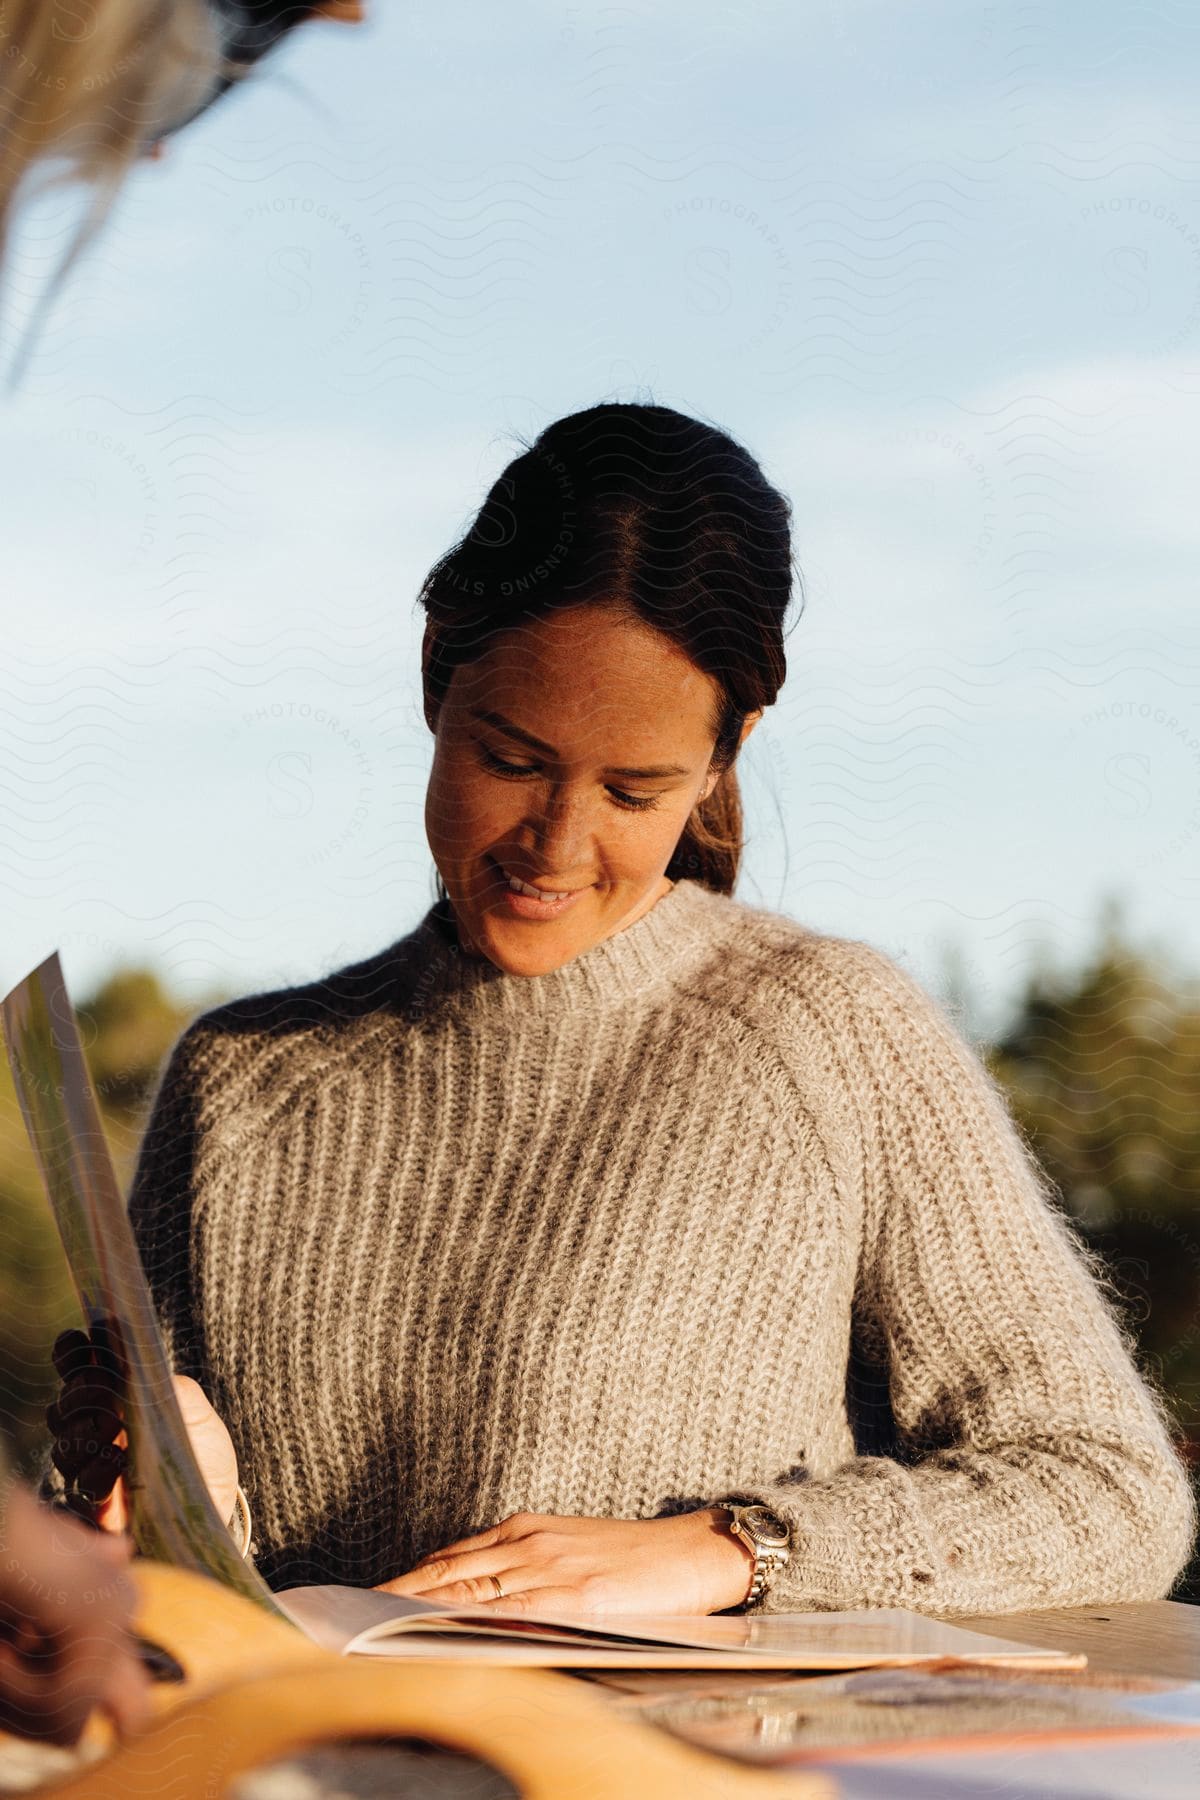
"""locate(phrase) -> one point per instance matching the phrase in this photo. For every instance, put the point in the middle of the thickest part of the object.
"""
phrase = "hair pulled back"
(644, 508)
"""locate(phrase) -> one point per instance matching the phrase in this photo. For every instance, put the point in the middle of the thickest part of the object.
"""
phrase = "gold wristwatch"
(768, 1536)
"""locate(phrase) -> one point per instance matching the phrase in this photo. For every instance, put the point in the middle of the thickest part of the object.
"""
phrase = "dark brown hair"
(641, 507)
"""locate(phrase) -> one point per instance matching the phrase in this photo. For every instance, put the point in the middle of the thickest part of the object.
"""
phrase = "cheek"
(464, 810)
(639, 846)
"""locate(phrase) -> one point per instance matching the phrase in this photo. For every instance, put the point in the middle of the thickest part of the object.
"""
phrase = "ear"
(713, 776)
(711, 780)
(750, 722)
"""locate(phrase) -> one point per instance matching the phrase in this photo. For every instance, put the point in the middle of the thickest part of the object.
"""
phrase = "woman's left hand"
(687, 1564)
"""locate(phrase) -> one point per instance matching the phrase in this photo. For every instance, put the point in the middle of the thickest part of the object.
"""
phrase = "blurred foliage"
(1102, 1070)
(1103, 1075)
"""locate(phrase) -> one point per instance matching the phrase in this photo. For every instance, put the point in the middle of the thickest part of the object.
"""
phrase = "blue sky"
(937, 266)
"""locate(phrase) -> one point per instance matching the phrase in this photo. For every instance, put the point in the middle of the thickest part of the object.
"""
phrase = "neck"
(626, 965)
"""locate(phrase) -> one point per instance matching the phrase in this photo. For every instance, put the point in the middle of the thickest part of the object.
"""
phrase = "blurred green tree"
(1102, 1070)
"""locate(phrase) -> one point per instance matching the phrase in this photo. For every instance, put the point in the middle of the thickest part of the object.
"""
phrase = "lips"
(535, 907)
(533, 893)
(538, 890)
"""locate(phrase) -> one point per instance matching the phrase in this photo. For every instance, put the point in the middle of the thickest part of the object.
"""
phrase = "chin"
(518, 953)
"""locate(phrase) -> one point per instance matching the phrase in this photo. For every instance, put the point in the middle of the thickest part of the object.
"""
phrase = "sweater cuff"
(791, 1588)
(852, 1544)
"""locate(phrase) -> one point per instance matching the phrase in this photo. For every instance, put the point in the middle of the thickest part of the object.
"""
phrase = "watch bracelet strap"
(765, 1569)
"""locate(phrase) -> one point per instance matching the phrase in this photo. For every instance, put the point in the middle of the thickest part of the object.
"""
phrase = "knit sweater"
(723, 1208)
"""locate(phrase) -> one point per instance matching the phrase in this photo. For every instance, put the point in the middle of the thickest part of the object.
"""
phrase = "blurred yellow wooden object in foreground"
(257, 1691)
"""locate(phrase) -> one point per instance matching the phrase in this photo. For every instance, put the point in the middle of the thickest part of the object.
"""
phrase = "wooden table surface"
(1161, 1637)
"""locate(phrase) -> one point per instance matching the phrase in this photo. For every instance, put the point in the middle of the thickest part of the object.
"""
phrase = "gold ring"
(495, 1581)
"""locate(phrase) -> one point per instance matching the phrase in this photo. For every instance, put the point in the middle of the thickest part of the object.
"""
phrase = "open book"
(360, 1621)
(173, 1517)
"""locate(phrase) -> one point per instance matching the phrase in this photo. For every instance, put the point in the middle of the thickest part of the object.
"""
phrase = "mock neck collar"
(676, 930)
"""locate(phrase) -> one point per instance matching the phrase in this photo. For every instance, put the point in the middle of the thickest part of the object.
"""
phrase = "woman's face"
(569, 755)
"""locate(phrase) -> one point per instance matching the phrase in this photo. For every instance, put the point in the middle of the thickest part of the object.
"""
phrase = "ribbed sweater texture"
(724, 1208)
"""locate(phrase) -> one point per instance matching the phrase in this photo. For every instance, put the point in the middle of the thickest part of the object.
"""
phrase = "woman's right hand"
(89, 1439)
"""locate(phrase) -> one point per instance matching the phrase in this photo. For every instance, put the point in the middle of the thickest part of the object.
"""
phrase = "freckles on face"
(603, 697)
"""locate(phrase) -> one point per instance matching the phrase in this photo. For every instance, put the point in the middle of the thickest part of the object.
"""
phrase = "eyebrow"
(527, 738)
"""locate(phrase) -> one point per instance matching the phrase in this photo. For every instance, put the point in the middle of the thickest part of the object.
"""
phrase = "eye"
(635, 802)
(505, 768)
(514, 771)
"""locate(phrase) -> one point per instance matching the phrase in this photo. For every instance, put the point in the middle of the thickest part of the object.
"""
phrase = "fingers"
(514, 1526)
(86, 1417)
(112, 1514)
(483, 1553)
(126, 1699)
(483, 1540)
(48, 1689)
(463, 1579)
(95, 1480)
(90, 1468)
(475, 1590)
(30, 1706)
(75, 1350)
(72, 1352)
(91, 1391)
(66, 1602)
(461, 1588)
(107, 1346)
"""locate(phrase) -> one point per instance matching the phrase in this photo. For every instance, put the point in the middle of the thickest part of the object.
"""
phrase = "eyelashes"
(516, 771)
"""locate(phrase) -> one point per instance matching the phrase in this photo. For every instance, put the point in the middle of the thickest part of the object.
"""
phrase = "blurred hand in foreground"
(66, 1603)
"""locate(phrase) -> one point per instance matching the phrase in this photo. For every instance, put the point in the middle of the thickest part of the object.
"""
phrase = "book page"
(350, 1619)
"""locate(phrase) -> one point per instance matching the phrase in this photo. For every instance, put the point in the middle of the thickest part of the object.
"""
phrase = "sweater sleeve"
(1034, 1464)
(161, 1198)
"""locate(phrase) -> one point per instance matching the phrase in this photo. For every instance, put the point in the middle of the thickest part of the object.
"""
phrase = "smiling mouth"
(546, 895)
(521, 887)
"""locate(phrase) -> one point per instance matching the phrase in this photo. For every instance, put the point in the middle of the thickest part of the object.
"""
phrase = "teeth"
(519, 887)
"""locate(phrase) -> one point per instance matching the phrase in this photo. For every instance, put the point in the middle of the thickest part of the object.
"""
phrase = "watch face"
(767, 1525)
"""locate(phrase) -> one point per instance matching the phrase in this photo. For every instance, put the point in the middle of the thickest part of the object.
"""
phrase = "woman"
(519, 1257)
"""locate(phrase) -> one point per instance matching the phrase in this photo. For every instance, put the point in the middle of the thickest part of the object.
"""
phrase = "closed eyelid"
(532, 768)
(662, 772)
(633, 802)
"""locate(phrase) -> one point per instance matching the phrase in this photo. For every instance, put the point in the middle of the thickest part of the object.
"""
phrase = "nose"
(561, 822)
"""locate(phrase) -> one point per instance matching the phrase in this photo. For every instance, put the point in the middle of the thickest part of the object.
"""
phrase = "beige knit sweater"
(722, 1208)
